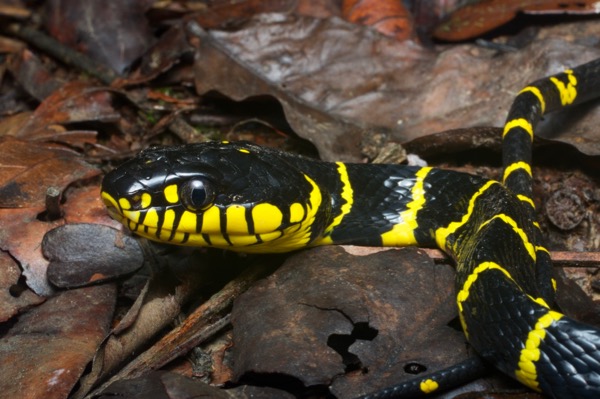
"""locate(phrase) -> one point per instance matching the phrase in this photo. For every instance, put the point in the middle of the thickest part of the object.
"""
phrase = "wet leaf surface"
(327, 100)
(218, 65)
(28, 171)
(84, 205)
(64, 104)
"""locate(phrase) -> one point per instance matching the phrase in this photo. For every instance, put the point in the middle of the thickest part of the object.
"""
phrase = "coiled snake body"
(242, 197)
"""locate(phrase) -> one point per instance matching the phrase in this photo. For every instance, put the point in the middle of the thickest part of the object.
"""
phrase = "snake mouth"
(262, 231)
(233, 241)
(115, 214)
(113, 209)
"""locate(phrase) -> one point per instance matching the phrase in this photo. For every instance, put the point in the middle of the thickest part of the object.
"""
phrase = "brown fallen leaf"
(24, 231)
(480, 17)
(326, 317)
(33, 76)
(14, 298)
(72, 103)
(389, 17)
(318, 9)
(166, 52)
(84, 205)
(21, 238)
(220, 15)
(114, 35)
(338, 82)
(29, 169)
(49, 347)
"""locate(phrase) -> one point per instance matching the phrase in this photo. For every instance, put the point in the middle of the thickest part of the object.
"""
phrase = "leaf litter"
(337, 84)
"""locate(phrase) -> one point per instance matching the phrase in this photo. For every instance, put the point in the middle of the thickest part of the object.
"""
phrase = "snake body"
(242, 197)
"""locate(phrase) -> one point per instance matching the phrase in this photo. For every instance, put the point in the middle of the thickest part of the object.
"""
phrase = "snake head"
(235, 196)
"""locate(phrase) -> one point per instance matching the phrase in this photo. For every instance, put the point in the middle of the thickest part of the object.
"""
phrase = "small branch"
(559, 258)
(206, 320)
(61, 52)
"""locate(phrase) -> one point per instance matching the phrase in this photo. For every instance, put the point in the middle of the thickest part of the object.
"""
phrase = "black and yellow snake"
(243, 197)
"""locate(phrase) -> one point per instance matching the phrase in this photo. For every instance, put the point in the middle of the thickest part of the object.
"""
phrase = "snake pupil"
(197, 194)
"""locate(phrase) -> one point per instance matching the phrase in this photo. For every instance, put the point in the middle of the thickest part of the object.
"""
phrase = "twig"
(197, 327)
(61, 52)
(559, 258)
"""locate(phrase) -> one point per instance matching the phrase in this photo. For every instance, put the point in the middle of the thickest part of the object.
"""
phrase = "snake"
(243, 197)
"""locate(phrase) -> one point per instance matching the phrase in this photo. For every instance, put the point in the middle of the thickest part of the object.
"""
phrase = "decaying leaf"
(480, 17)
(49, 347)
(337, 82)
(326, 317)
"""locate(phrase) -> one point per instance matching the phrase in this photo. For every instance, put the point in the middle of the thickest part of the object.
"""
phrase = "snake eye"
(197, 194)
